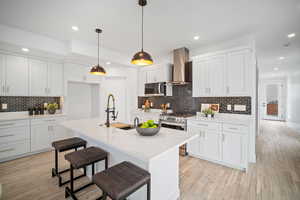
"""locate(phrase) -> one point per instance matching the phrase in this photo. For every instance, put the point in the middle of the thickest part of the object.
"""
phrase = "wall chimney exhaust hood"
(182, 69)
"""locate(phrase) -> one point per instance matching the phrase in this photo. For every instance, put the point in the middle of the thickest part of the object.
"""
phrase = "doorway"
(272, 100)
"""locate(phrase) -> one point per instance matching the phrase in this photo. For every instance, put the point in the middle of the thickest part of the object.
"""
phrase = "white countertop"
(8, 116)
(226, 118)
(129, 141)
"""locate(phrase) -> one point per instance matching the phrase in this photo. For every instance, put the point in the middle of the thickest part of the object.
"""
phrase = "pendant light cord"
(98, 47)
(142, 28)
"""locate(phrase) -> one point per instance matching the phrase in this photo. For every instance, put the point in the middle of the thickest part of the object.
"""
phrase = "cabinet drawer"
(14, 149)
(14, 134)
(11, 124)
(235, 128)
(47, 120)
(206, 125)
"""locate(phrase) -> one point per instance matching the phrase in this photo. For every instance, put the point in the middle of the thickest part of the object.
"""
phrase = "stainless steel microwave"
(156, 89)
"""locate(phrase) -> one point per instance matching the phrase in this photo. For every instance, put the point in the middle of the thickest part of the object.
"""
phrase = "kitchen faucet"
(110, 110)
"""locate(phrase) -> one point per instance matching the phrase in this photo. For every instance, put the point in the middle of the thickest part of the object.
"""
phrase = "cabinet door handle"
(3, 88)
(202, 125)
(231, 128)
(2, 136)
(223, 137)
(6, 150)
(227, 89)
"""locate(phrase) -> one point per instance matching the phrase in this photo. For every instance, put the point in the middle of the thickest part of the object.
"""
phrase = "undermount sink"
(127, 128)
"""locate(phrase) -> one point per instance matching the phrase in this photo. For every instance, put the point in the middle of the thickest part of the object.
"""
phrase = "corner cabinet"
(223, 74)
(221, 143)
(46, 78)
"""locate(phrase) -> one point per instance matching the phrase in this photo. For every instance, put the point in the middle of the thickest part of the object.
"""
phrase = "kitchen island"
(157, 154)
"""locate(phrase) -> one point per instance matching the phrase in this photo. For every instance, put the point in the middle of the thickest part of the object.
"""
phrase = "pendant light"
(98, 70)
(142, 58)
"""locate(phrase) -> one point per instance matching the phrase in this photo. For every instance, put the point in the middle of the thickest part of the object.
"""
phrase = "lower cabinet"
(45, 131)
(215, 144)
(232, 146)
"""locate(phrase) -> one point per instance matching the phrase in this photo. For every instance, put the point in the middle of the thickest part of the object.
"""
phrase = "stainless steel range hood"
(181, 69)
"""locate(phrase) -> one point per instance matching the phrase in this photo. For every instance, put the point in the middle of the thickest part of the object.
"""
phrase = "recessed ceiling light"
(281, 58)
(276, 68)
(196, 37)
(25, 49)
(108, 63)
(291, 35)
(75, 28)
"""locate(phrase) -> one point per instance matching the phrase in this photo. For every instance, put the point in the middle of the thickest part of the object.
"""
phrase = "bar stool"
(122, 180)
(81, 159)
(65, 145)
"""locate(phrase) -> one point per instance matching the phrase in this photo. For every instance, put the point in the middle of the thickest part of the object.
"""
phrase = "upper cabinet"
(46, 79)
(154, 74)
(55, 79)
(208, 76)
(224, 74)
(14, 75)
(238, 73)
(2, 75)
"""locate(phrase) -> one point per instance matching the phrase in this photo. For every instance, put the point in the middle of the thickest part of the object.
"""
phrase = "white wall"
(293, 100)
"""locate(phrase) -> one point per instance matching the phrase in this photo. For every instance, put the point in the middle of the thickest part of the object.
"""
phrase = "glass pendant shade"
(142, 58)
(98, 70)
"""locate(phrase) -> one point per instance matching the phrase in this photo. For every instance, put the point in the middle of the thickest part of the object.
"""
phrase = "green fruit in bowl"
(150, 123)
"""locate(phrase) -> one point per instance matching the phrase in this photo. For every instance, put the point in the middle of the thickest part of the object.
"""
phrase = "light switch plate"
(239, 107)
(228, 107)
(4, 106)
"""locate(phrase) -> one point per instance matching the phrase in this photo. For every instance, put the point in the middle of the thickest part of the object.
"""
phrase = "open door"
(272, 101)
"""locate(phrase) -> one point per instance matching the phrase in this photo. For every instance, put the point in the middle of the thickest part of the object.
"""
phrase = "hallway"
(275, 176)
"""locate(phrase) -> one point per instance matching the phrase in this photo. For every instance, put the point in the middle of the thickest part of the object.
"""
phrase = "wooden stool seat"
(68, 144)
(81, 159)
(121, 180)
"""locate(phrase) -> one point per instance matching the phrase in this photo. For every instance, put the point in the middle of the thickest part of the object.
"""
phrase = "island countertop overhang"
(144, 148)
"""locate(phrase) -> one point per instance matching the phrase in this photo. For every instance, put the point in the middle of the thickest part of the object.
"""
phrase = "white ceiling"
(168, 24)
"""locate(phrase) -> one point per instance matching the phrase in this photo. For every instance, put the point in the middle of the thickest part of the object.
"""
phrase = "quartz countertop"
(130, 142)
(8, 116)
(226, 118)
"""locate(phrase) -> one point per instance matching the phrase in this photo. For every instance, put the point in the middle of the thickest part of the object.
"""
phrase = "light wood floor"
(275, 176)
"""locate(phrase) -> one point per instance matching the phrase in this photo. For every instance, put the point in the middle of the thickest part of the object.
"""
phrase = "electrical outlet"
(4, 106)
(239, 107)
(229, 107)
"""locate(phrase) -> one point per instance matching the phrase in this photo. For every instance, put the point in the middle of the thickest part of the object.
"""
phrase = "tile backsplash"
(18, 103)
(182, 101)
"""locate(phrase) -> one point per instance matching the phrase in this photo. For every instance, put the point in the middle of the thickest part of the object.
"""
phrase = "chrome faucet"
(136, 122)
(110, 110)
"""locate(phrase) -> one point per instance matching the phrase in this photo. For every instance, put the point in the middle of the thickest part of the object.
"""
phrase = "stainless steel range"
(176, 121)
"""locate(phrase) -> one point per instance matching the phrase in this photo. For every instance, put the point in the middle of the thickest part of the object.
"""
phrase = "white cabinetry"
(2, 75)
(14, 75)
(46, 79)
(14, 138)
(219, 142)
(55, 79)
(238, 73)
(44, 132)
(223, 74)
(38, 78)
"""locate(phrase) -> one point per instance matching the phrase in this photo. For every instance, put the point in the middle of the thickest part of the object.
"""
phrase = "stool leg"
(71, 178)
(93, 169)
(149, 190)
(106, 163)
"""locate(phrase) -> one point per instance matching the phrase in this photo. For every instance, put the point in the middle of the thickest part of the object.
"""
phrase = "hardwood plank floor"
(275, 176)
